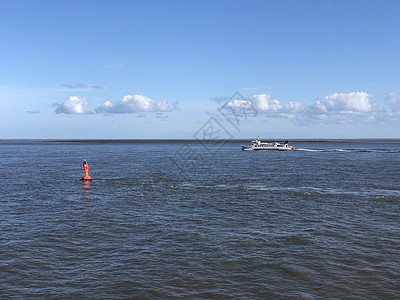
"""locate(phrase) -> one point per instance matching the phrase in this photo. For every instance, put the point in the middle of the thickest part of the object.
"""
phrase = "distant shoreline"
(160, 141)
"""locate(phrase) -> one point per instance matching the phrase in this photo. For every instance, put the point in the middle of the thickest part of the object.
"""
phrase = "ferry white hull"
(281, 148)
(257, 145)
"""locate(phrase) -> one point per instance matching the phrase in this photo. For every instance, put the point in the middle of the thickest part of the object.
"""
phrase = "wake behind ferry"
(257, 145)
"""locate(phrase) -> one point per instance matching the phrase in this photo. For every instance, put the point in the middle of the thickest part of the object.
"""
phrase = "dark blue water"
(178, 220)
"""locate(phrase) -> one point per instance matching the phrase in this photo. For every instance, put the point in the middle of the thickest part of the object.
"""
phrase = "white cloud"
(133, 104)
(72, 105)
(264, 104)
(240, 104)
(350, 103)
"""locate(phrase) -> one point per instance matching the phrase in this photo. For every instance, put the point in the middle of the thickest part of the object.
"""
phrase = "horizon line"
(193, 140)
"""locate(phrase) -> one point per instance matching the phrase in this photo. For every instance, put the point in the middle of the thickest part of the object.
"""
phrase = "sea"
(199, 220)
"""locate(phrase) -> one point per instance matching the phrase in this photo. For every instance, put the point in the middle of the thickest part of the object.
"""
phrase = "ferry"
(257, 145)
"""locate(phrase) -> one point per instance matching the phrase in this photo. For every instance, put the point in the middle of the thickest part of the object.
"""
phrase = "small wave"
(350, 150)
(310, 150)
(219, 186)
(309, 190)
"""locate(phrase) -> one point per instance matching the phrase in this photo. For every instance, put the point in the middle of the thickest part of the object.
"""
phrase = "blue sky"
(165, 69)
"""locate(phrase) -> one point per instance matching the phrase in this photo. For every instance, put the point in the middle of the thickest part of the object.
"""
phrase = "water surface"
(193, 220)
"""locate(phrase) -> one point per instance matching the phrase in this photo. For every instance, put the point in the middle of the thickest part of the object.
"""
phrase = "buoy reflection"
(86, 189)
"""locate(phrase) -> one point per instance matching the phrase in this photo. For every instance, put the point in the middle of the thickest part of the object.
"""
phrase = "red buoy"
(86, 170)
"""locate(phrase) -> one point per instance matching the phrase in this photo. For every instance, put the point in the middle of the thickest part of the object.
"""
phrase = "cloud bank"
(344, 107)
(133, 104)
(129, 104)
(73, 105)
(335, 108)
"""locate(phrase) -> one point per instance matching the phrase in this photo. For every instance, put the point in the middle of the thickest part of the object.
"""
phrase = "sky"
(216, 69)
